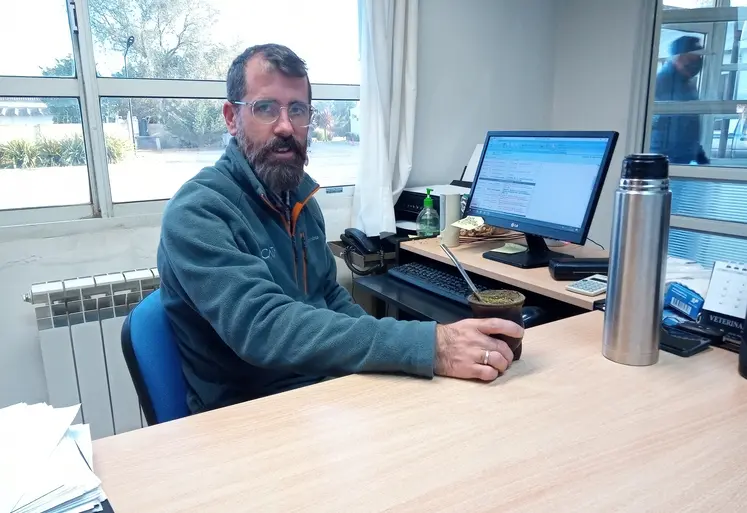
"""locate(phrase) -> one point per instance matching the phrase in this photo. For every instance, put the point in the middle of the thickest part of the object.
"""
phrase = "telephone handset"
(359, 241)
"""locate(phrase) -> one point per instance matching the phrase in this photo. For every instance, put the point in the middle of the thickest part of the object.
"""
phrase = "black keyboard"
(447, 284)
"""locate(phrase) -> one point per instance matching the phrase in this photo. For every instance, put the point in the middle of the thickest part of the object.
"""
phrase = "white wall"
(482, 65)
(534, 64)
(600, 53)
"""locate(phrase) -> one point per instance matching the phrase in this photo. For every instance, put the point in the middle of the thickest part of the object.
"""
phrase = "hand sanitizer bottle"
(428, 222)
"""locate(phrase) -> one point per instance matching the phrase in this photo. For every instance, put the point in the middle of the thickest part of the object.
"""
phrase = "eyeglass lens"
(268, 111)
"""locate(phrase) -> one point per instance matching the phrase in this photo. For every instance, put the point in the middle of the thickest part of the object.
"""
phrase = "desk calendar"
(726, 301)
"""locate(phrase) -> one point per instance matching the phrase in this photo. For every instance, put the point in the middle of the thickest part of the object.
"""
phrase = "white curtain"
(389, 37)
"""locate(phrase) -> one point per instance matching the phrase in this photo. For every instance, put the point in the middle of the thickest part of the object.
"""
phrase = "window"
(333, 149)
(688, 4)
(23, 52)
(197, 39)
(175, 139)
(706, 248)
(108, 104)
(700, 4)
(698, 118)
(172, 139)
(44, 148)
(700, 94)
(719, 200)
(42, 153)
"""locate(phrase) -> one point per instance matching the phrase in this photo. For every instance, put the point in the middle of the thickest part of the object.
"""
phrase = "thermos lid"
(645, 166)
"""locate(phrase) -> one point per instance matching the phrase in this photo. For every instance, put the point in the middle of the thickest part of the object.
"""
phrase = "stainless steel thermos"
(638, 256)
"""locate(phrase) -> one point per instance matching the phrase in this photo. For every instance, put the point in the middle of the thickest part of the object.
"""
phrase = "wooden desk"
(563, 430)
(534, 280)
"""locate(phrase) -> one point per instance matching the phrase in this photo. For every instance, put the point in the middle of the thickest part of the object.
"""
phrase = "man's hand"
(461, 347)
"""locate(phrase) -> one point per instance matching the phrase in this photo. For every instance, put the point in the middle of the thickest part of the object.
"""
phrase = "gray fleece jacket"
(250, 288)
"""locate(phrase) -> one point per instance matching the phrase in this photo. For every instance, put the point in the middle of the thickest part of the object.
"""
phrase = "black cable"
(346, 257)
(594, 242)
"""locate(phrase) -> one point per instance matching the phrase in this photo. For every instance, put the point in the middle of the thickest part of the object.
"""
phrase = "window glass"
(42, 153)
(197, 39)
(688, 4)
(726, 146)
(700, 4)
(35, 39)
(706, 248)
(169, 140)
(710, 199)
(334, 151)
(698, 118)
(700, 94)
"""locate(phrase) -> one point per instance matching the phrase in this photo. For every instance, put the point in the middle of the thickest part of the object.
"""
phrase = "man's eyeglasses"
(268, 111)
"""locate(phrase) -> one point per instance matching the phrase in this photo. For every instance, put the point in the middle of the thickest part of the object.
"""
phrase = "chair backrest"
(150, 350)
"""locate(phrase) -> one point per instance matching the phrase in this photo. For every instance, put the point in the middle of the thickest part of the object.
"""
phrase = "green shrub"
(194, 123)
(320, 135)
(69, 151)
(117, 149)
(18, 153)
(73, 151)
(50, 153)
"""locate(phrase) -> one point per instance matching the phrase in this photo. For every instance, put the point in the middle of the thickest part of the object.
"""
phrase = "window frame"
(89, 89)
(650, 107)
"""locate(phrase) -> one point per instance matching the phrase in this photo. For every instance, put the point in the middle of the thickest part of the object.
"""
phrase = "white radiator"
(80, 322)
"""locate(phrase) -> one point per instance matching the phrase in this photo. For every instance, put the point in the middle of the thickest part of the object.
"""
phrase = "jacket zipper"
(286, 223)
(289, 221)
(293, 244)
(305, 272)
(296, 212)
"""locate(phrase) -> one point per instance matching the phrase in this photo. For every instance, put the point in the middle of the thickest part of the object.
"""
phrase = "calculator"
(591, 286)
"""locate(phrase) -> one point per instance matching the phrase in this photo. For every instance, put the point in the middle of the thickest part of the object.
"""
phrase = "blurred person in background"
(678, 136)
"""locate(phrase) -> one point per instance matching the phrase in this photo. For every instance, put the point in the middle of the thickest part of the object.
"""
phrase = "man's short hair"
(685, 44)
(279, 57)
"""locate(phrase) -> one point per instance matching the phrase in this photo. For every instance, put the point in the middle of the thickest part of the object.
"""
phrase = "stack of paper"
(46, 464)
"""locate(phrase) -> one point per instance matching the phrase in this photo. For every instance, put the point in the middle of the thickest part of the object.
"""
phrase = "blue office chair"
(150, 350)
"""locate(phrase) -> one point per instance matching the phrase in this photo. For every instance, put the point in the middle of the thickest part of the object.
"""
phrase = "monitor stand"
(536, 255)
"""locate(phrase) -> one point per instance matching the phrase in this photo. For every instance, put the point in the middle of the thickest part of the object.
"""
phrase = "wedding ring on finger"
(486, 358)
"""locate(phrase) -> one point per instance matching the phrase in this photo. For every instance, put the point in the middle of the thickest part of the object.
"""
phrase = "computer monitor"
(543, 184)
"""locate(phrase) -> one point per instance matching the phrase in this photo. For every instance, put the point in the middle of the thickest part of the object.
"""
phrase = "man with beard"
(248, 282)
(678, 136)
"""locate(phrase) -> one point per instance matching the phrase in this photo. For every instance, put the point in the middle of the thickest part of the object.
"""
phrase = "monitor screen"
(544, 184)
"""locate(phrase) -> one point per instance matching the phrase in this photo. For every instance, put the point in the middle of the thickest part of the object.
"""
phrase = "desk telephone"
(356, 241)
